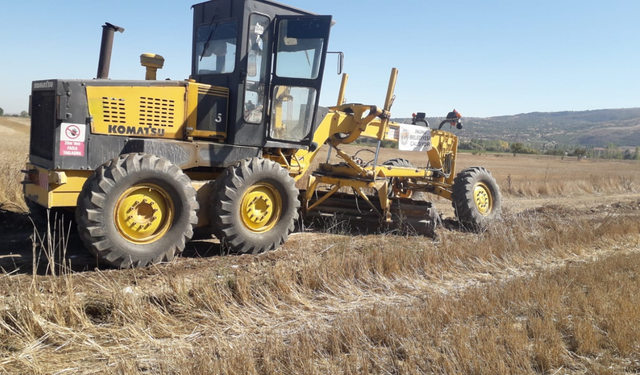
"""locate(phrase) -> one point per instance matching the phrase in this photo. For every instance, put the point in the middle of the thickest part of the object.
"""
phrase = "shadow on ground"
(28, 246)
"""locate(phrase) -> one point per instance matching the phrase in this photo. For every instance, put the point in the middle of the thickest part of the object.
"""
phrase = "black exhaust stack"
(105, 49)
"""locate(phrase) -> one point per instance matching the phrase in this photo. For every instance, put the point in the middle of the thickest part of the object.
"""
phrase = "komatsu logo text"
(133, 130)
(43, 85)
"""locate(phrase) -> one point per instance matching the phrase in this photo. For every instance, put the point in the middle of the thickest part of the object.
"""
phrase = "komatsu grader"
(144, 162)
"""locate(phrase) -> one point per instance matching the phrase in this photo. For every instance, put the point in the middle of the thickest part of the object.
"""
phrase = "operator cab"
(271, 57)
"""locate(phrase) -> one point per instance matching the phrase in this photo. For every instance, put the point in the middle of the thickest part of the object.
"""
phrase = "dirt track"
(14, 125)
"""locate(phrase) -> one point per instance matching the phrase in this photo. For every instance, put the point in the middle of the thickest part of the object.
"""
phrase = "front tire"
(476, 198)
(255, 206)
(136, 210)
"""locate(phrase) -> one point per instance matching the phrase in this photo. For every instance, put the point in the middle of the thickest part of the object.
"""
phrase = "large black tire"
(401, 162)
(255, 206)
(135, 210)
(476, 198)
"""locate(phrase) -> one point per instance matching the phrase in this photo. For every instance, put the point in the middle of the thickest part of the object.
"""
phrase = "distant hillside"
(588, 128)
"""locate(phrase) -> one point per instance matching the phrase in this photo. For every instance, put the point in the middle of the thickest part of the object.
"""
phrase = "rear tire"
(135, 210)
(255, 206)
(476, 198)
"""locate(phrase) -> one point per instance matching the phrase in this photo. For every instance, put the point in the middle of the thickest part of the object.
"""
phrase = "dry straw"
(550, 290)
(543, 291)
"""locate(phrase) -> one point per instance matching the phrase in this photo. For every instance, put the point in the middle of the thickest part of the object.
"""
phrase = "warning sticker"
(72, 137)
(73, 132)
(71, 148)
(393, 133)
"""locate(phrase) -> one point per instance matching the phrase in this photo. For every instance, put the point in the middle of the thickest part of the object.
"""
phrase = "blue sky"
(484, 58)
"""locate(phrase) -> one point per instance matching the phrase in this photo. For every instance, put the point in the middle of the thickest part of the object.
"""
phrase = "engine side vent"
(114, 111)
(157, 112)
(43, 123)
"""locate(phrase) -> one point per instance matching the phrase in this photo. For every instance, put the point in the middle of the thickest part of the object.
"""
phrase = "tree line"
(611, 151)
(22, 114)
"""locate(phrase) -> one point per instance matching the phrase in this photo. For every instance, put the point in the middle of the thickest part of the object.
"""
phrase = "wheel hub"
(143, 213)
(261, 207)
(482, 198)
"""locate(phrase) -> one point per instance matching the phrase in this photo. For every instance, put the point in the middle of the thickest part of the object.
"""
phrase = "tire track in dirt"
(9, 126)
(400, 292)
(318, 311)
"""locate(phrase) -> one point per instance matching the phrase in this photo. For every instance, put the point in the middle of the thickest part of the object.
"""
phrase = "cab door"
(299, 54)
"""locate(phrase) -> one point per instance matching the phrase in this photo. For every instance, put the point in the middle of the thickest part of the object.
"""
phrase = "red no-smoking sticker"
(72, 137)
(73, 132)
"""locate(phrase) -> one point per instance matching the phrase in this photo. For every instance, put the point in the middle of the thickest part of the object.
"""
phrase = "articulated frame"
(346, 123)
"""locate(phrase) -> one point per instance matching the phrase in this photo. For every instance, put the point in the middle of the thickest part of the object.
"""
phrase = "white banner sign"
(414, 138)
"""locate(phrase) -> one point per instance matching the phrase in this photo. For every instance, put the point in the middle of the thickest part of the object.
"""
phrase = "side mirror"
(419, 117)
(340, 61)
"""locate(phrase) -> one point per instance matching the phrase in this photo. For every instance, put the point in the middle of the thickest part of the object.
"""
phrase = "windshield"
(299, 51)
(216, 48)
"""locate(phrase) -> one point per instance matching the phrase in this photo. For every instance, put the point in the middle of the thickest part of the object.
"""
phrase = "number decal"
(219, 118)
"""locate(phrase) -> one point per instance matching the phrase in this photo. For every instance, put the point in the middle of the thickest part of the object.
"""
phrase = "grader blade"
(355, 213)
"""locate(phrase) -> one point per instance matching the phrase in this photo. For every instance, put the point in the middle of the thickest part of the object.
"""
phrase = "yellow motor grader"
(143, 163)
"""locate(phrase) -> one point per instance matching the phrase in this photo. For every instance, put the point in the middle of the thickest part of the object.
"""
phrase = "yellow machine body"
(52, 188)
(150, 111)
(171, 113)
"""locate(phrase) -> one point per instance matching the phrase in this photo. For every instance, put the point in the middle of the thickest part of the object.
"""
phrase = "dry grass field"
(14, 149)
(551, 289)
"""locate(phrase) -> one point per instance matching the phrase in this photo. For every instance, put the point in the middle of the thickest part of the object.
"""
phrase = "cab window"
(299, 50)
(298, 55)
(291, 115)
(257, 59)
(216, 48)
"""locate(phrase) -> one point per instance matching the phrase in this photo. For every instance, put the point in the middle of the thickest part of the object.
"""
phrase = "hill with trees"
(544, 130)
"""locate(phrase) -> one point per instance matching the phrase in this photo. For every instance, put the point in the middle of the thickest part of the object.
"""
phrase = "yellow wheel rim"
(144, 213)
(482, 198)
(261, 208)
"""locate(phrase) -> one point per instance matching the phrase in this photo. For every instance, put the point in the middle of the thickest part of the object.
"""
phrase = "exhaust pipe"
(104, 61)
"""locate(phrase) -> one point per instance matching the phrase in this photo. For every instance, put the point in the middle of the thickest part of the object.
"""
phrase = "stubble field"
(552, 289)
